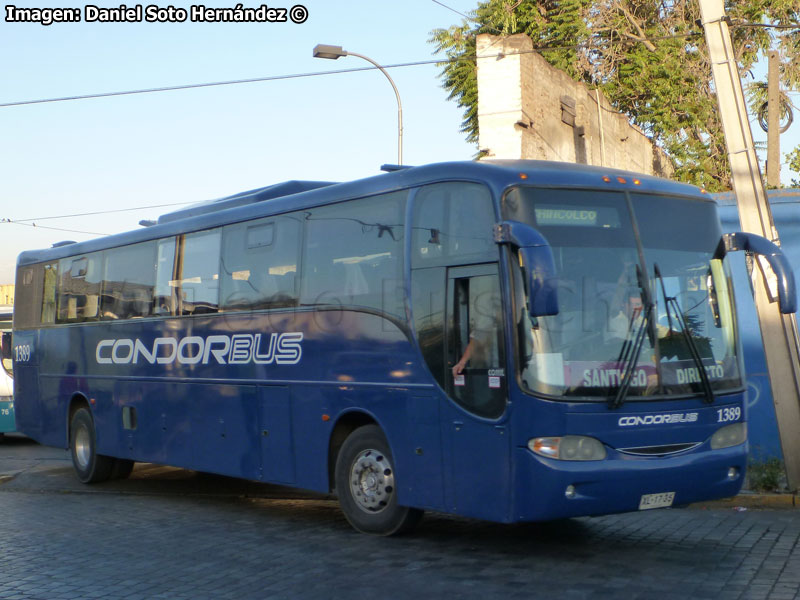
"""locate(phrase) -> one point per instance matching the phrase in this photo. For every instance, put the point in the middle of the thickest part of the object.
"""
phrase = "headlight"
(569, 447)
(730, 435)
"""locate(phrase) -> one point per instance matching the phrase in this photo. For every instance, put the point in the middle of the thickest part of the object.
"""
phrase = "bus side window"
(49, 296)
(128, 281)
(353, 254)
(28, 300)
(165, 299)
(259, 264)
(199, 280)
(79, 288)
(453, 224)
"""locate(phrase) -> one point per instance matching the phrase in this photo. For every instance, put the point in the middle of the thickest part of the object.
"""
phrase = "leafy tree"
(794, 164)
(648, 58)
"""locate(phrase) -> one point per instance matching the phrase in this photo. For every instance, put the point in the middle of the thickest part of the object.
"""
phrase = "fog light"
(570, 492)
(733, 472)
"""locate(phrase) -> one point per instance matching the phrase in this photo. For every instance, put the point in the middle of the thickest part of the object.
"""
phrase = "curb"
(746, 501)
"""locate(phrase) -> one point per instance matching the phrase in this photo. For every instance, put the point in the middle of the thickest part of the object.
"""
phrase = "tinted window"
(49, 295)
(476, 340)
(79, 288)
(128, 281)
(453, 224)
(353, 254)
(428, 295)
(28, 303)
(259, 264)
(166, 291)
(199, 281)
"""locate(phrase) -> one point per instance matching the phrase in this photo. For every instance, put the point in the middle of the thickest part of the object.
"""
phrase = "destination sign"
(576, 216)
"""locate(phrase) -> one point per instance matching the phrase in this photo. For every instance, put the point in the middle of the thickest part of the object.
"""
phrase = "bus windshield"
(640, 291)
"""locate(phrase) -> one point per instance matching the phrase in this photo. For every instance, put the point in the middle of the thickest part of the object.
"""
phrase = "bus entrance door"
(476, 383)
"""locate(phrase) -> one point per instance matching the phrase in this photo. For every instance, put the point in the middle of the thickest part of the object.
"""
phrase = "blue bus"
(6, 378)
(504, 340)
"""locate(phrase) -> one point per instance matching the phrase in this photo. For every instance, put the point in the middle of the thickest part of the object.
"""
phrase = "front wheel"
(366, 485)
(89, 466)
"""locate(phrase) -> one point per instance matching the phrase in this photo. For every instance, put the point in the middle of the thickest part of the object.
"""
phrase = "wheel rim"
(371, 481)
(83, 447)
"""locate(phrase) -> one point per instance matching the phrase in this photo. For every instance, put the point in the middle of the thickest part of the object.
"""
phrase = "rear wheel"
(366, 485)
(89, 466)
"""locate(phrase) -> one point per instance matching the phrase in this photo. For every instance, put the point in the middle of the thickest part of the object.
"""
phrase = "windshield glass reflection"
(605, 280)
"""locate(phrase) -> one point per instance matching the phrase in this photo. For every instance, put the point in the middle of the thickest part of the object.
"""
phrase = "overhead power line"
(439, 61)
(190, 86)
(99, 212)
(10, 222)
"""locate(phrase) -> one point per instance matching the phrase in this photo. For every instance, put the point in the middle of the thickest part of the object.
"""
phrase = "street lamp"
(334, 52)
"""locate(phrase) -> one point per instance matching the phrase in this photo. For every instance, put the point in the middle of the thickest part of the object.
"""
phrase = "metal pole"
(399, 105)
(773, 128)
(779, 332)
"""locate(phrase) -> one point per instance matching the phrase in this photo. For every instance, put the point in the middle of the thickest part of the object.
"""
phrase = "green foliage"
(648, 58)
(766, 475)
(794, 164)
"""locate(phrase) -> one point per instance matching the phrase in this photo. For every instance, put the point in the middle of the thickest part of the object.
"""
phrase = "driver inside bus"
(482, 350)
(629, 313)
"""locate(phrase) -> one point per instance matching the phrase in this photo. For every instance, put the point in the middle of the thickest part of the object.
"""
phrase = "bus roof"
(297, 195)
(783, 196)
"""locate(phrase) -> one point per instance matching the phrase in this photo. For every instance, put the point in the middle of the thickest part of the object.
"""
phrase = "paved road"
(168, 533)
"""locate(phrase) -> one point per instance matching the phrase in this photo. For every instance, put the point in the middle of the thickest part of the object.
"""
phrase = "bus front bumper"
(554, 489)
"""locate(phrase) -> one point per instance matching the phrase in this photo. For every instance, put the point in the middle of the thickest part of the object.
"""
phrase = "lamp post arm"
(399, 105)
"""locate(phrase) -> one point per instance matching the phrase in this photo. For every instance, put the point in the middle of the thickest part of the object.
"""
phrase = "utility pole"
(773, 123)
(779, 332)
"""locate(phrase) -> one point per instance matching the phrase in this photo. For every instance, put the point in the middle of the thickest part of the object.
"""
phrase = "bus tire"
(89, 466)
(366, 485)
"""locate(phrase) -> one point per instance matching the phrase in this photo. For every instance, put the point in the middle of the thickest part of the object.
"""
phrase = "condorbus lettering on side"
(237, 349)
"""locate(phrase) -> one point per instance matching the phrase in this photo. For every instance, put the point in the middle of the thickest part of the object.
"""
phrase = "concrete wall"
(7, 293)
(528, 109)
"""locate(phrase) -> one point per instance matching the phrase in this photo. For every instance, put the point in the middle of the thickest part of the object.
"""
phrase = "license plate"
(661, 500)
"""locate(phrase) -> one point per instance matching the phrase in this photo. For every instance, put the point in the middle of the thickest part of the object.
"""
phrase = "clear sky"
(82, 156)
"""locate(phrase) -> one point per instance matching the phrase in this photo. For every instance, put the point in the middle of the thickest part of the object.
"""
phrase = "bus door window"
(477, 355)
(452, 224)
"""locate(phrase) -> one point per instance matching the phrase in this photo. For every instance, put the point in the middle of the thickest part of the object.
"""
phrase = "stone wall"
(528, 109)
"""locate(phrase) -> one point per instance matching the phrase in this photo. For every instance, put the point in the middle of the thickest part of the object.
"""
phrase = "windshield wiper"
(672, 301)
(632, 347)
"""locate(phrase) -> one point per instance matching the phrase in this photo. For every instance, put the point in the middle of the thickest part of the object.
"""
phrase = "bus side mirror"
(750, 242)
(5, 345)
(537, 263)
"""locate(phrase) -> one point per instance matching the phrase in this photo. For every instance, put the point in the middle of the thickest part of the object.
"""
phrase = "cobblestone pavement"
(168, 533)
